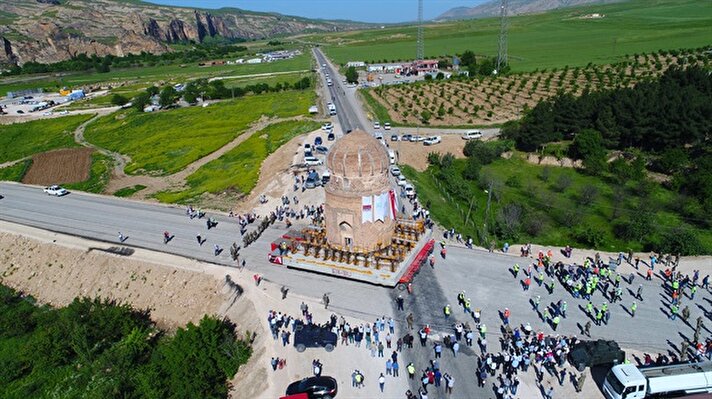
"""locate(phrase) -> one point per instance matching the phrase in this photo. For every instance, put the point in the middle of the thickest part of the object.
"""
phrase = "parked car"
(322, 387)
(307, 147)
(313, 180)
(55, 190)
(327, 126)
(409, 190)
(378, 136)
(387, 126)
(313, 161)
(376, 125)
(406, 137)
(401, 181)
(432, 140)
(471, 135)
(19, 111)
(318, 141)
(331, 137)
(394, 137)
(325, 177)
(313, 336)
(395, 171)
(321, 149)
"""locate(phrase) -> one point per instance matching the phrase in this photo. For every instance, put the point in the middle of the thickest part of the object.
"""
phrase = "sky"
(386, 11)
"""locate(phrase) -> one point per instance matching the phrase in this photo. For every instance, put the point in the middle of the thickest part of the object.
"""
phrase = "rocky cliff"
(51, 30)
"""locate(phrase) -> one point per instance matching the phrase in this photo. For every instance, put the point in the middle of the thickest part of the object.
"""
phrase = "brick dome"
(358, 155)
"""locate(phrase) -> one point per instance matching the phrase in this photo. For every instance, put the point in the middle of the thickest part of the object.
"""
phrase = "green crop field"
(239, 169)
(550, 199)
(20, 140)
(552, 39)
(289, 78)
(165, 142)
(171, 72)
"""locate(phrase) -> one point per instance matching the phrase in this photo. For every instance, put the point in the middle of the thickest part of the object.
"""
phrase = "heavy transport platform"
(402, 273)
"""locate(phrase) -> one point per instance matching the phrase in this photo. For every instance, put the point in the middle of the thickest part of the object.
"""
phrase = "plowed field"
(60, 167)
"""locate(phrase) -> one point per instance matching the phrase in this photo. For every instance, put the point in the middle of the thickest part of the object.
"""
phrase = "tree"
(468, 58)
(440, 76)
(167, 97)
(351, 75)
(152, 90)
(588, 146)
(141, 101)
(119, 100)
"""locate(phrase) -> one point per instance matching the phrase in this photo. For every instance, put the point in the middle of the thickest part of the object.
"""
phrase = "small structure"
(385, 68)
(254, 61)
(422, 66)
(356, 64)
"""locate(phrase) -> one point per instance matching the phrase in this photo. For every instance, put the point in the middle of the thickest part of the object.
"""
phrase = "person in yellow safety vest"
(411, 370)
(446, 310)
(516, 270)
(467, 305)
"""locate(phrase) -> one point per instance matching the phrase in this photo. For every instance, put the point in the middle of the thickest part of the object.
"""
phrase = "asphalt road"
(345, 110)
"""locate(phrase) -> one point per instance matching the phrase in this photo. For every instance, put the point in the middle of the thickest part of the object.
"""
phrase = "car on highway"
(327, 126)
(394, 137)
(395, 171)
(432, 140)
(406, 137)
(323, 66)
(409, 190)
(314, 336)
(55, 190)
(376, 125)
(401, 181)
(321, 387)
(321, 149)
(331, 137)
(472, 135)
(378, 136)
(387, 126)
(317, 140)
(312, 161)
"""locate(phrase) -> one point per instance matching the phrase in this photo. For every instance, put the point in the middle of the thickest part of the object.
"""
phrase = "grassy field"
(165, 142)
(552, 39)
(551, 198)
(173, 72)
(290, 78)
(15, 172)
(129, 191)
(20, 140)
(239, 169)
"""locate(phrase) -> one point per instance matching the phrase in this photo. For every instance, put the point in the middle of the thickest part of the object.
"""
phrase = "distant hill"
(48, 31)
(516, 7)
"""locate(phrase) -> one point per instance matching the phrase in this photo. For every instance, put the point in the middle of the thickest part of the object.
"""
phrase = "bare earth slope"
(515, 7)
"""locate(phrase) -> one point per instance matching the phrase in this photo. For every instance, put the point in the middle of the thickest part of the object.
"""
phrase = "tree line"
(102, 349)
(82, 62)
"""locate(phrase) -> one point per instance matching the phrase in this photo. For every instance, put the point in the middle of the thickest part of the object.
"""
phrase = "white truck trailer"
(626, 381)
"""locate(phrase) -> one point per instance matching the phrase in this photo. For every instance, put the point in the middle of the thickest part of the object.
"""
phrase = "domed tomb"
(360, 207)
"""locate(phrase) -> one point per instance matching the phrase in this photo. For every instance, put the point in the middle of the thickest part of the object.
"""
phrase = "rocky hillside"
(516, 7)
(53, 30)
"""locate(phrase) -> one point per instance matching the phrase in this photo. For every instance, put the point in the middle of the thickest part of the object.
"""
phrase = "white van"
(392, 156)
(472, 135)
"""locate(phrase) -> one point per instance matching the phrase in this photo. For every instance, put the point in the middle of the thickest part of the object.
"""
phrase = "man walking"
(325, 299)
(633, 308)
(409, 320)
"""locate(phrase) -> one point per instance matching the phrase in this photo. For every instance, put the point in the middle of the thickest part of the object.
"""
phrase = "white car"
(402, 181)
(409, 190)
(472, 135)
(376, 125)
(327, 126)
(420, 138)
(313, 161)
(395, 171)
(378, 136)
(64, 112)
(432, 140)
(55, 190)
(387, 126)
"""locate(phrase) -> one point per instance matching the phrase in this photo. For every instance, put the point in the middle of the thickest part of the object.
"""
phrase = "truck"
(626, 381)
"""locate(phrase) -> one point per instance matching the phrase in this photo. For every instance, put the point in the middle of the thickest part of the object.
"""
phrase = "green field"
(20, 140)
(129, 191)
(99, 175)
(271, 81)
(148, 74)
(165, 142)
(552, 210)
(552, 39)
(239, 169)
(15, 172)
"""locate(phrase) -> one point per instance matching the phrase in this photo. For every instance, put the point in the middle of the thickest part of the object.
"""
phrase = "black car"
(323, 387)
(321, 149)
(331, 137)
(394, 137)
(406, 137)
(313, 336)
(317, 141)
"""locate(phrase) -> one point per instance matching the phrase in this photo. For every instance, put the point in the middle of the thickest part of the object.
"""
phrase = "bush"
(591, 236)
(509, 221)
(681, 240)
(563, 182)
(119, 100)
(588, 195)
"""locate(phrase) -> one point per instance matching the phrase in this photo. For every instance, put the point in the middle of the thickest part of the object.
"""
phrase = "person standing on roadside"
(381, 382)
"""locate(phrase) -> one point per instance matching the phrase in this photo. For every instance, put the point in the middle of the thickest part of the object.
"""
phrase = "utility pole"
(503, 27)
(420, 52)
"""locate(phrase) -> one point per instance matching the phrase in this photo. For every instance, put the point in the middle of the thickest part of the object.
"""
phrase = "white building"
(254, 61)
(356, 64)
